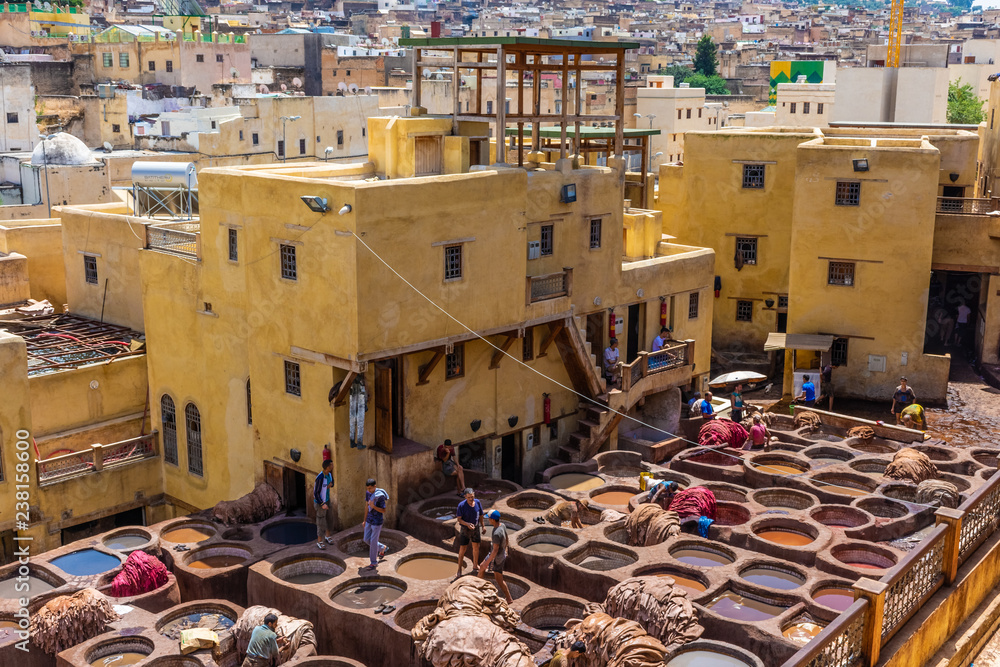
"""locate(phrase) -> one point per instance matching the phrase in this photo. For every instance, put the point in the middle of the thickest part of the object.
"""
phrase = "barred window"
(782, 301)
(595, 233)
(744, 311)
(805, 107)
(249, 404)
(838, 352)
(302, 146)
(90, 269)
(168, 424)
(848, 193)
(819, 107)
(123, 60)
(693, 305)
(747, 246)
(528, 345)
(452, 262)
(293, 379)
(218, 58)
(340, 138)
(454, 363)
(255, 138)
(108, 59)
(289, 269)
(192, 419)
(546, 248)
(234, 251)
(791, 107)
(170, 65)
(281, 148)
(841, 273)
(753, 176)
(152, 66)
(199, 58)
(12, 118)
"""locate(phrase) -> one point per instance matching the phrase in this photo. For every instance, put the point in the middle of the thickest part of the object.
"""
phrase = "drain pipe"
(104, 300)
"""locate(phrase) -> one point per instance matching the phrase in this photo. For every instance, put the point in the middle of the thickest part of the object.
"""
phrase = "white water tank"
(165, 175)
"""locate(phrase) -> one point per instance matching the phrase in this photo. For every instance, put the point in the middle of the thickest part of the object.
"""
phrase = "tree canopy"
(713, 85)
(705, 61)
(964, 107)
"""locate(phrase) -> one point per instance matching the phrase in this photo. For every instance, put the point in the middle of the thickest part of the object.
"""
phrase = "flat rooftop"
(64, 342)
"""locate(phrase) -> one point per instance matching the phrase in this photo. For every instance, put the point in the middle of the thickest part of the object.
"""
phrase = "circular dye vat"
(550, 614)
(119, 659)
(778, 469)
(613, 498)
(126, 541)
(12, 589)
(863, 555)
(687, 583)
(308, 570)
(825, 461)
(188, 534)
(308, 578)
(576, 481)
(834, 598)
(544, 547)
(838, 486)
(840, 516)
(427, 568)
(773, 578)
(86, 562)
(701, 557)
(784, 537)
(212, 562)
(442, 513)
(8, 630)
(209, 620)
(367, 595)
(289, 532)
(737, 607)
(120, 652)
(700, 658)
(802, 633)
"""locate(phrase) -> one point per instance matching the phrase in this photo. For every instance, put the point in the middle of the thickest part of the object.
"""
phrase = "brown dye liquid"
(690, 585)
(802, 633)
(701, 558)
(210, 562)
(788, 538)
(705, 659)
(308, 578)
(779, 469)
(867, 566)
(187, 535)
(427, 569)
(834, 598)
(764, 576)
(616, 498)
(367, 596)
(842, 489)
(119, 660)
(576, 481)
(544, 547)
(735, 606)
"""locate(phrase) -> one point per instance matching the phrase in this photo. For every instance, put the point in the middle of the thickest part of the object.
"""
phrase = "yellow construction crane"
(895, 33)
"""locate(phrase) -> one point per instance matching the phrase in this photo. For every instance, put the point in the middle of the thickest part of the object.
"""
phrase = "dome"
(62, 148)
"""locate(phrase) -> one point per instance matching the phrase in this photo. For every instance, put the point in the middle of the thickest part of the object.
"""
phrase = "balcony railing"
(675, 355)
(965, 206)
(177, 241)
(550, 286)
(97, 458)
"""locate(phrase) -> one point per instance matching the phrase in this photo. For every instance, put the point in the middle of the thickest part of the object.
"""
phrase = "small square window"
(116, 128)
(454, 363)
(546, 246)
(679, 112)
(281, 148)
(123, 60)
(199, 58)
(783, 301)
(693, 306)
(293, 379)
(348, 72)
(489, 106)
(340, 138)
(838, 352)
(214, 125)
(302, 146)
(528, 344)
(744, 311)
(170, 66)
(241, 135)
(753, 176)
(805, 107)
(219, 58)
(108, 59)
(90, 269)
(848, 193)
(791, 107)
(819, 107)
(255, 139)
(289, 269)
(152, 66)
(234, 251)
(841, 273)
(452, 262)
(688, 113)
(12, 118)
(595, 233)
(747, 246)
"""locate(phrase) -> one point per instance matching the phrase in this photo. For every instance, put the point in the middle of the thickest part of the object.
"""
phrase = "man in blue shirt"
(264, 644)
(321, 501)
(470, 525)
(661, 340)
(375, 500)
(707, 411)
(808, 394)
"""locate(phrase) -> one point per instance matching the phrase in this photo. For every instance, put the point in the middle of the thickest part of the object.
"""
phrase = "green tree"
(679, 72)
(964, 108)
(960, 4)
(705, 61)
(713, 85)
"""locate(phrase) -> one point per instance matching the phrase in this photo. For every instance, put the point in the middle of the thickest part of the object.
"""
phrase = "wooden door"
(383, 406)
(427, 156)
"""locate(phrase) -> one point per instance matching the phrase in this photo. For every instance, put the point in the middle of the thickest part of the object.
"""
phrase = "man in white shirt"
(611, 365)
(962, 324)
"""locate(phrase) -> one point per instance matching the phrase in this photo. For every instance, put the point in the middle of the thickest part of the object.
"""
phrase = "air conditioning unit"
(534, 249)
(105, 90)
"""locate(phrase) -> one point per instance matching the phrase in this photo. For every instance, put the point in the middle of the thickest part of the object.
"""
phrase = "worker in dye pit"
(902, 398)
(913, 416)
(759, 435)
(321, 501)
(498, 555)
(564, 656)
(696, 501)
(470, 526)
(264, 644)
(566, 510)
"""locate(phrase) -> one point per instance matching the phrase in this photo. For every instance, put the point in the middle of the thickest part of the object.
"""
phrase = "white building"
(674, 111)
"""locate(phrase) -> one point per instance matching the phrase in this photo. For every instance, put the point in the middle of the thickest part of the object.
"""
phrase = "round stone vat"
(427, 567)
(863, 555)
(839, 516)
(518, 587)
(784, 531)
(731, 514)
(987, 457)
(827, 434)
(217, 556)
(214, 616)
(802, 630)
(38, 581)
(742, 605)
(513, 523)
(576, 481)
(691, 581)
(935, 453)
(771, 468)
(127, 540)
(354, 544)
(238, 534)
(702, 554)
(870, 466)
(961, 484)
(407, 617)
(367, 592)
(827, 455)
(601, 557)
(836, 595)
(729, 493)
(440, 509)
(711, 458)
(844, 484)
(303, 570)
(173, 661)
(773, 575)
(327, 661)
(290, 531)
(615, 496)
(986, 474)
(530, 502)
(901, 491)
(782, 498)
(86, 562)
(9, 628)
(875, 446)
(883, 508)
(706, 653)
(546, 539)
(616, 532)
(119, 652)
(187, 532)
(551, 613)
(488, 491)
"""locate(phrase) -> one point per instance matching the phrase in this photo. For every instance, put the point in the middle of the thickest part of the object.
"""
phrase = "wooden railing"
(840, 643)
(95, 459)
(675, 355)
(965, 205)
(550, 286)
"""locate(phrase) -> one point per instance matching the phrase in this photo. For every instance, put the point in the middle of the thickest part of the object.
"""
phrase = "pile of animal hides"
(696, 501)
(298, 632)
(810, 421)
(650, 524)
(614, 642)
(864, 433)
(662, 609)
(938, 493)
(722, 433)
(69, 620)
(909, 465)
(260, 504)
(141, 573)
(472, 625)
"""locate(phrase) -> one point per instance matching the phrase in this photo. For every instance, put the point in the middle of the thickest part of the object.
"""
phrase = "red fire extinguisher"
(663, 312)
(547, 409)
(326, 452)
(611, 322)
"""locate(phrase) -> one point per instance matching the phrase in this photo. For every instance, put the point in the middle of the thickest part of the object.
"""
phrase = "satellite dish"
(353, 88)
(233, 72)
(108, 147)
(297, 82)
(428, 74)
(341, 86)
(284, 87)
(368, 90)
(263, 89)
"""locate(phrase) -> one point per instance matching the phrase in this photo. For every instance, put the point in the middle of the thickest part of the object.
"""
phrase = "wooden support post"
(415, 97)
(620, 104)
(501, 105)
(554, 330)
(871, 634)
(689, 353)
(499, 354)
(98, 451)
(579, 103)
(456, 84)
(520, 107)
(953, 519)
(345, 388)
(479, 83)
(644, 360)
(565, 100)
(425, 371)
(536, 104)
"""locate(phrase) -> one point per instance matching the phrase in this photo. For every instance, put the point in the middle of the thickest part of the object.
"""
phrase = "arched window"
(193, 422)
(168, 429)
(249, 404)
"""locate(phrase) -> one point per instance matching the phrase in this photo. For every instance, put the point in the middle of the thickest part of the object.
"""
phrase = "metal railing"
(965, 205)
(97, 458)
(550, 286)
(171, 240)
(840, 644)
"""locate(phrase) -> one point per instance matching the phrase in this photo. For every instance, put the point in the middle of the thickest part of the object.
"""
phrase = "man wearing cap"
(470, 525)
(498, 555)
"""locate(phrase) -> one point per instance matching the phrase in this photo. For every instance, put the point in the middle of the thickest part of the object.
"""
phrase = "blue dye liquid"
(291, 532)
(86, 562)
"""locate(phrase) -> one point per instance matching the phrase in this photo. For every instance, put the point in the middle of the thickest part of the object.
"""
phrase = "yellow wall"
(41, 242)
(15, 415)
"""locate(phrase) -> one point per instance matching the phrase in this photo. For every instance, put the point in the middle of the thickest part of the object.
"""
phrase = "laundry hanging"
(356, 408)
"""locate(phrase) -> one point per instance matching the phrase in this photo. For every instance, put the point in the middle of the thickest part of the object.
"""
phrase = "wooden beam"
(620, 109)
(501, 105)
(425, 370)
(345, 389)
(554, 330)
(529, 118)
(499, 354)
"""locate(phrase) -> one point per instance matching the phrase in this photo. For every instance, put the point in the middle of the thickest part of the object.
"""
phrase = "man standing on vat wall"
(470, 525)
(376, 500)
